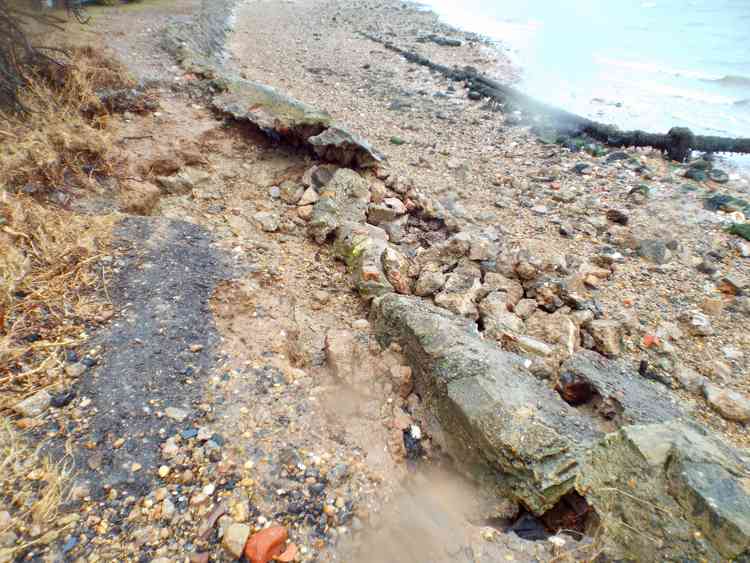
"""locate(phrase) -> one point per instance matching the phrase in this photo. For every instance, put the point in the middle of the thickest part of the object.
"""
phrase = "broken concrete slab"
(336, 144)
(505, 427)
(281, 116)
(669, 492)
(275, 113)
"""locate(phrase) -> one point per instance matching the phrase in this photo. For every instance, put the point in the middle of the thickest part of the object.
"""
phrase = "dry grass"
(54, 266)
(66, 135)
(52, 285)
(31, 490)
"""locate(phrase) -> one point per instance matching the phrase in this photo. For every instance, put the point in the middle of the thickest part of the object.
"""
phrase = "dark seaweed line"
(677, 143)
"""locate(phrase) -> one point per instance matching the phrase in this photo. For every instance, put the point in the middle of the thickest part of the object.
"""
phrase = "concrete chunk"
(504, 426)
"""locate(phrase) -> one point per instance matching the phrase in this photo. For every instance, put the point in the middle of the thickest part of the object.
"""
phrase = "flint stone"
(345, 199)
(681, 482)
(271, 111)
(505, 427)
(34, 405)
(336, 144)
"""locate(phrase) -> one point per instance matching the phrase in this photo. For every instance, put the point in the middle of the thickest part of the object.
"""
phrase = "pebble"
(35, 405)
(235, 538)
(176, 414)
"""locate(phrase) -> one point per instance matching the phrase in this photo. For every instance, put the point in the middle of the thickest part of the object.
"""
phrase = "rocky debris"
(440, 40)
(497, 282)
(389, 210)
(396, 229)
(497, 319)
(273, 112)
(336, 144)
(34, 405)
(309, 197)
(318, 176)
(361, 247)
(345, 199)
(731, 405)
(698, 324)
(133, 100)
(184, 182)
(500, 422)
(460, 292)
(687, 485)
(690, 379)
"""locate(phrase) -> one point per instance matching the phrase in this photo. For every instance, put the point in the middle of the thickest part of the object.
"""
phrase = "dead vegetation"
(52, 285)
(31, 490)
(66, 135)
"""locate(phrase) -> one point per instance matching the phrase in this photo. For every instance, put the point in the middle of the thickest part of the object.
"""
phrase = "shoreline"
(739, 162)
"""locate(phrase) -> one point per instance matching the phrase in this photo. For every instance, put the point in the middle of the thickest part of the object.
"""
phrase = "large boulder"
(506, 428)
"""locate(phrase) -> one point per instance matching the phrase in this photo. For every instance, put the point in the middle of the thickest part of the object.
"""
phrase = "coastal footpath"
(360, 313)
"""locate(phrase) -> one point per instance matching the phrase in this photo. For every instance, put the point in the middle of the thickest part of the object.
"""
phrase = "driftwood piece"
(677, 143)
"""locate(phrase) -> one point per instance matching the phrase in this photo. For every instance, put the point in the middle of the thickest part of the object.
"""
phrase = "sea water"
(637, 64)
